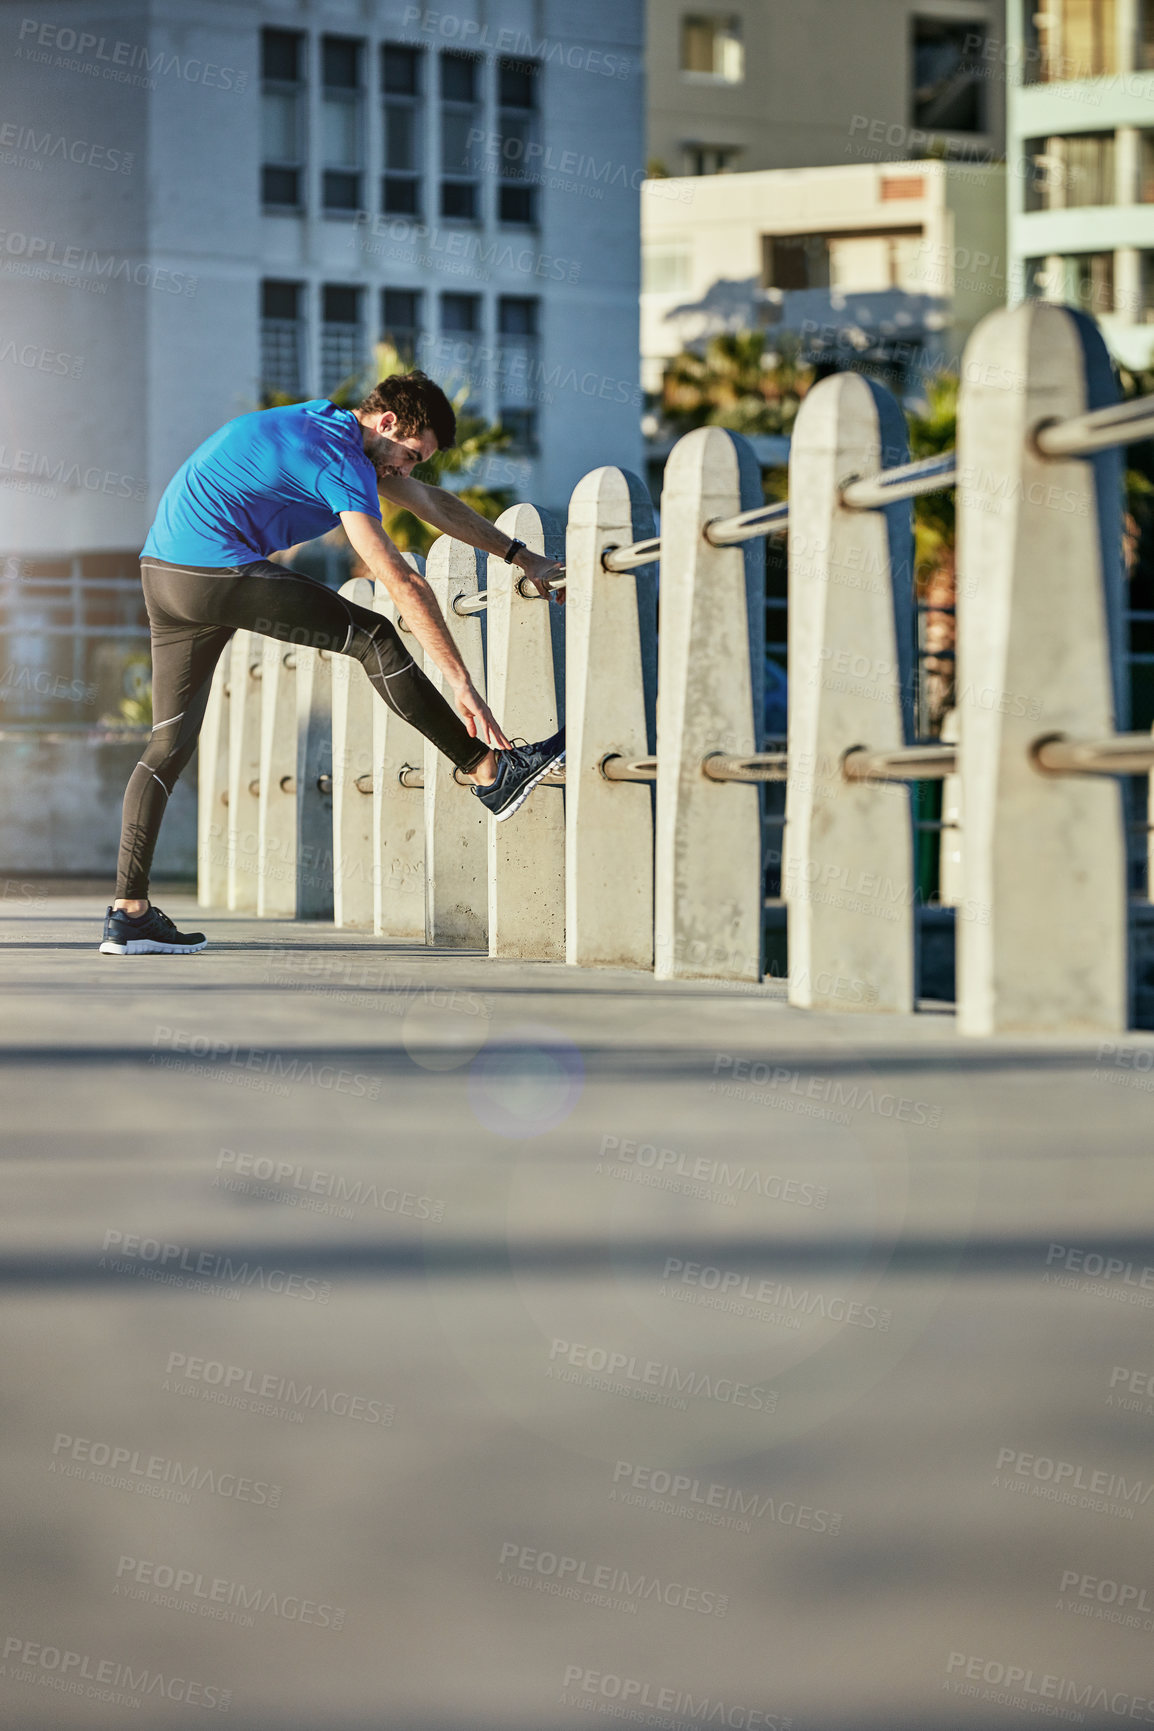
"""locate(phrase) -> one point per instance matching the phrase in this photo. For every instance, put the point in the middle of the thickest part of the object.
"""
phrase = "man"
(265, 482)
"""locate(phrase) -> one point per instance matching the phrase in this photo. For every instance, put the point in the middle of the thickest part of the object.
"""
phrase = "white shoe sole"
(149, 947)
(516, 804)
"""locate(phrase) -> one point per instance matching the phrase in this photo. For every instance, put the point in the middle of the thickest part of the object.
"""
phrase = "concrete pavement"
(405, 1339)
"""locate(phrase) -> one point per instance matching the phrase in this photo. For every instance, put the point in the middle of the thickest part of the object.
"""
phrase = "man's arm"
(414, 599)
(444, 511)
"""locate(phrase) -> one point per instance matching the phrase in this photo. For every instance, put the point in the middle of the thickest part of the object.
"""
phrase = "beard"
(380, 451)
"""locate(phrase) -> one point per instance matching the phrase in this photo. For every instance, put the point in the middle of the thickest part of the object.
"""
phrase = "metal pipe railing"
(757, 766)
(622, 559)
(747, 525)
(909, 481)
(614, 767)
(903, 763)
(463, 605)
(1080, 435)
(1118, 754)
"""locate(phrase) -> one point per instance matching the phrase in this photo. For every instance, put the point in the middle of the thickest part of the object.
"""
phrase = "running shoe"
(148, 934)
(518, 771)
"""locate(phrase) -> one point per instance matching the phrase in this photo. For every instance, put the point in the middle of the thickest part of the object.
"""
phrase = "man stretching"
(267, 481)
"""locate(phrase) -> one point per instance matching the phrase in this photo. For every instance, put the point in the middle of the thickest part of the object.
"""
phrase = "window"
(1083, 279)
(712, 48)
(1144, 60)
(869, 261)
(461, 313)
(517, 330)
(1071, 173)
(1069, 39)
(401, 86)
(710, 158)
(282, 344)
(282, 119)
(949, 93)
(517, 139)
(341, 120)
(460, 133)
(667, 269)
(522, 424)
(401, 321)
(342, 353)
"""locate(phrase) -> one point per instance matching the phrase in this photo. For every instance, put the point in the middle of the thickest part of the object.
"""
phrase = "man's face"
(394, 453)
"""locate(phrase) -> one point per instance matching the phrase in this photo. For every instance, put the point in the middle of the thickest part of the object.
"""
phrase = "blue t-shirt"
(264, 482)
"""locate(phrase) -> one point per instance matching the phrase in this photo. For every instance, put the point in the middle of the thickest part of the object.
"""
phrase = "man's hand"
(476, 714)
(540, 571)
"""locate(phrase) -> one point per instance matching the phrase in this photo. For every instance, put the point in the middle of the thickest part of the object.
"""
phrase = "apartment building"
(748, 85)
(212, 202)
(1081, 158)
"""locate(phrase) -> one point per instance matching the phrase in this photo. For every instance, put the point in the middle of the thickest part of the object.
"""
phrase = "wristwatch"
(515, 547)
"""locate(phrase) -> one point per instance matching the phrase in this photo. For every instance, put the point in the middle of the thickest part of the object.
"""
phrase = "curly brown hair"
(417, 403)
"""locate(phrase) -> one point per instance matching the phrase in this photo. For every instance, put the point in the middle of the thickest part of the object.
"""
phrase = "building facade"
(750, 85)
(888, 267)
(213, 202)
(1081, 158)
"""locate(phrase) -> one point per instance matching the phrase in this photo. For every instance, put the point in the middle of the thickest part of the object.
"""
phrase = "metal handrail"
(747, 525)
(1117, 754)
(909, 481)
(622, 559)
(903, 763)
(1080, 435)
(755, 766)
(615, 767)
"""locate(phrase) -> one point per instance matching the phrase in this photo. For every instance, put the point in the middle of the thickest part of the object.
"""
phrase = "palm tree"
(738, 382)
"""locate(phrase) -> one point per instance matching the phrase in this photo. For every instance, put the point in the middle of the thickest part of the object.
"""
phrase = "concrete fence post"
(611, 708)
(398, 812)
(456, 824)
(277, 823)
(244, 765)
(212, 792)
(1040, 583)
(526, 655)
(711, 670)
(849, 881)
(314, 799)
(353, 701)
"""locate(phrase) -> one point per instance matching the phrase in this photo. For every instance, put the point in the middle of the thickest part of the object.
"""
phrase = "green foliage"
(739, 382)
(932, 434)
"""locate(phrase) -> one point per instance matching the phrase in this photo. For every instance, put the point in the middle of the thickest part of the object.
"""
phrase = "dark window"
(282, 335)
(795, 261)
(522, 423)
(949, 93)
(402, 117)
(281, 56)
(517, 204)
(341, 60)
(459, 200)
(400, 70)
(282, 119)
(401, 320)
(517, 316)
(461, 313)
(1070, 173)
(517, 84)
(341, 305)
(341, 351)
(458, 78)
(518, 146)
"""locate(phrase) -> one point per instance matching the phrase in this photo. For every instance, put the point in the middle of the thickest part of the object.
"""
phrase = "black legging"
(193, 612)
